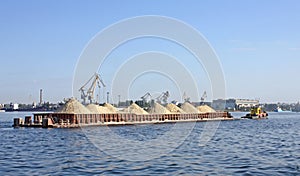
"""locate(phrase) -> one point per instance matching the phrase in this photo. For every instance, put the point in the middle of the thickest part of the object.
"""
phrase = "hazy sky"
(257, 42)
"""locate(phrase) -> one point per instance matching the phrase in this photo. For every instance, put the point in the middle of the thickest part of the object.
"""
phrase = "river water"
(241, 147)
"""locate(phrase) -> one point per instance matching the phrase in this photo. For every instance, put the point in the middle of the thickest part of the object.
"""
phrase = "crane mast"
(203, 97)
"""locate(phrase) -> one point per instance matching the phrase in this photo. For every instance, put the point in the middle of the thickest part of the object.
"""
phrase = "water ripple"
(244, 147)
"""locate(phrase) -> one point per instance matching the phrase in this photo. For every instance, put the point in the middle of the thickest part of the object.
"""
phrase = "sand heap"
(135, 109)
(158, 109)
(110, 107)
(174, 109)
(74, 106)
(92, 108)
(98, 109)
(103, 110)
(205, 108)
(187, 107)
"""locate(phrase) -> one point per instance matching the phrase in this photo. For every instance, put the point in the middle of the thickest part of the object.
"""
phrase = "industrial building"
(246, 103)
(234, 104)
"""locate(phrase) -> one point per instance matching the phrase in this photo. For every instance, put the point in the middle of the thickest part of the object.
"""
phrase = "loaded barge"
(74, 114)
(74, 120)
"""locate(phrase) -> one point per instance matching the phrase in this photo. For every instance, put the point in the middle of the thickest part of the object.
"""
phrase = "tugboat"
(256, 113)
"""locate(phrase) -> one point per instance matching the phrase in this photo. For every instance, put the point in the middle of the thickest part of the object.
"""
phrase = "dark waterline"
(255, 147)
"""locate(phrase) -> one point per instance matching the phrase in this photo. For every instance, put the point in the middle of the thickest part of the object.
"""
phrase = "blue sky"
(257, 41)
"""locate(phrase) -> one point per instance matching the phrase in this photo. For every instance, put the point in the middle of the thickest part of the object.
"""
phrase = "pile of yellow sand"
(135, 109)
(92, 108)
(74, 106)
(158, 109)
(104, 110)
(188, 108)
(205, 108)
(96, 109)
(110, 107)
(174, 109)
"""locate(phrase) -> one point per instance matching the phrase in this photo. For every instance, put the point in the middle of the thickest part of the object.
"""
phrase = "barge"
(74, 115)
(75, 120)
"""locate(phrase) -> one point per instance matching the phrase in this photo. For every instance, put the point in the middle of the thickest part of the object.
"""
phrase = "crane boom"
(147, 97)
(203, 97)
(163, 97)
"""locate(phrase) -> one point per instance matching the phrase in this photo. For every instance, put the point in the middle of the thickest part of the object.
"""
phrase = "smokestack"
(107, 97)
(41, 96)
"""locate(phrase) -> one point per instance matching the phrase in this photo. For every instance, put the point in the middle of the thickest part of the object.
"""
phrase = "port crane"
(146, 98)
(88, 94)
(185, 97)
(163, 97)
(203, 97)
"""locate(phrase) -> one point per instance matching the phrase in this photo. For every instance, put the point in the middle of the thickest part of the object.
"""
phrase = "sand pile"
(158, 109)
(174, 109)
(110, 107)
(92, 108)
(98, 109)
(135, 109)
(74, 106)
(205, 108)
(104, 110)
(187, 107)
